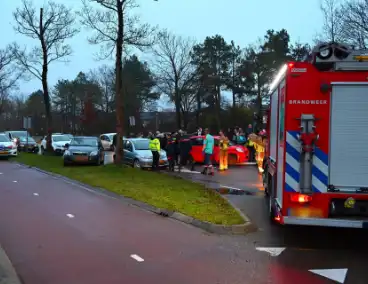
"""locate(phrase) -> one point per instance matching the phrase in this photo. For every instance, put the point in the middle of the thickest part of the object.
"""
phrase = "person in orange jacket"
(224, 145)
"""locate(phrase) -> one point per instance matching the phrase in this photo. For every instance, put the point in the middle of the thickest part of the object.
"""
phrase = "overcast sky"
(244, 22)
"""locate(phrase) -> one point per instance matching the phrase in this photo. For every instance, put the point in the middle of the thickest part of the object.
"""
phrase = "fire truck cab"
(316, 164)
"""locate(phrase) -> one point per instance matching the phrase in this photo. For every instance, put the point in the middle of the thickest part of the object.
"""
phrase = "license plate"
(81, 158)
(307, 212)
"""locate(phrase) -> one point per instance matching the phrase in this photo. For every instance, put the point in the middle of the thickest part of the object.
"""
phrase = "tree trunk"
(45, 87)
(177, 106)
(118, 85)
(218, 107)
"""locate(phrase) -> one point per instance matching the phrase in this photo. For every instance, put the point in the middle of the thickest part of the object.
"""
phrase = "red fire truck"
(316, 164)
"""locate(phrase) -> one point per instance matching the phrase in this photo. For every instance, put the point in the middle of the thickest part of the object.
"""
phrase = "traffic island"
(165, 195)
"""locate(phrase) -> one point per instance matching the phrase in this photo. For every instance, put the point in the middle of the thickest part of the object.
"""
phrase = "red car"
(237, 154)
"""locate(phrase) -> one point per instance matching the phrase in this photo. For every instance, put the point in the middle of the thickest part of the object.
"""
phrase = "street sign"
(27, 122)
(132, 120)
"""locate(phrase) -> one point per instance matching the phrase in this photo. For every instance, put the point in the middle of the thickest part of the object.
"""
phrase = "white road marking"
(189, 171)
(137, 257)
(35, 194)
(14, 181)
(229, 187)
(70, 215)
(337, 275)
(1, 173)
(271, 251)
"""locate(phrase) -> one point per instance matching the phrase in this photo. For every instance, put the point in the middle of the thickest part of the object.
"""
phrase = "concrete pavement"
(333, 252)
(56, 232)
(7, 272)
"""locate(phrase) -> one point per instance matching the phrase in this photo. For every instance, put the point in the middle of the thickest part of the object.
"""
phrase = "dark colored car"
(84, 150)
(23, 140)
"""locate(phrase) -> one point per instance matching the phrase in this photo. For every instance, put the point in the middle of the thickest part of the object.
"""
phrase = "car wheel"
(136, 164)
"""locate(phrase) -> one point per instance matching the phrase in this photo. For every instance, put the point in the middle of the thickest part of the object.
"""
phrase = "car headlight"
(67, 153)
(239, 150)
(93, 153)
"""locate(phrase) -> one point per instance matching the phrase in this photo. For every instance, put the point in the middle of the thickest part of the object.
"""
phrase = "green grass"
(160, 190)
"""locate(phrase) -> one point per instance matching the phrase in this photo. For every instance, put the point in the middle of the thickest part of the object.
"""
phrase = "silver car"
(138, 154)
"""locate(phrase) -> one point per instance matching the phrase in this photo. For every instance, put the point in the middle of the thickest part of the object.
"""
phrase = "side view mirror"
(66, 145)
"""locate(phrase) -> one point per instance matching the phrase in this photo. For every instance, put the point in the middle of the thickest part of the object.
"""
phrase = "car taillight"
(300, 198)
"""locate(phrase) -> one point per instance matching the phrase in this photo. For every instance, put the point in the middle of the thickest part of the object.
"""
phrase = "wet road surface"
(300, 248)
(56, 233)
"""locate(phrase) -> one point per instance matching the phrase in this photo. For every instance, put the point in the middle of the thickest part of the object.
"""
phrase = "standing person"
(199, 131)
(154, 146)
(208, 145)
(171, 151)
(224, 145)
(251, 149)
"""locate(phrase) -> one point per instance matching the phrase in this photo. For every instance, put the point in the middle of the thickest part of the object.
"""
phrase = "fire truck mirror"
(325, 88)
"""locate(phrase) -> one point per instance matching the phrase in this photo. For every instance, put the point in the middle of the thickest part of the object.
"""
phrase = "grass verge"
(160, 190)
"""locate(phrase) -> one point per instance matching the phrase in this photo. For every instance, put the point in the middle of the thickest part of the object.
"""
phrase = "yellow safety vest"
(154, 145)
(224, 144)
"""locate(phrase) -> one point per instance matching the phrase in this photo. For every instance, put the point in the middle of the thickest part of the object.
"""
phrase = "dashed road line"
(229, 187)
(15, 181)
(35, 194)
(137, 257)
(70, 215)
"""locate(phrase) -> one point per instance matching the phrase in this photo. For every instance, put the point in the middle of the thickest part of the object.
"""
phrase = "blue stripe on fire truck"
(292, 168)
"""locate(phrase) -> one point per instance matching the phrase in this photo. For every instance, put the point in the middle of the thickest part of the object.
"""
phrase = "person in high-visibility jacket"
(154, 146)
(224, 145)
(259, 146)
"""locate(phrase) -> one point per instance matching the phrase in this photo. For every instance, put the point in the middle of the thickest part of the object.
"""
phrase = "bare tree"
(332, 30)
(54, 24)
(115, 29)
(104, 78)
(9, 75)
(174, 70)
(355, 20)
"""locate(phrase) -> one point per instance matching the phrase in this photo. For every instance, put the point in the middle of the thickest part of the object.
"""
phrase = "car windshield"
(141, 144)
(111, 137)
(84, 141)
(4, 138)
(24, 139)
(19, 133)
(60, 138)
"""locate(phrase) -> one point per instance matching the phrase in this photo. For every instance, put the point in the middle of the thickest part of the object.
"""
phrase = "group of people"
(178, 149)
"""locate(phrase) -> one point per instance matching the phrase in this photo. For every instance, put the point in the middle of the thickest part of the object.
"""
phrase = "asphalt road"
(56, 233)
(302, 248)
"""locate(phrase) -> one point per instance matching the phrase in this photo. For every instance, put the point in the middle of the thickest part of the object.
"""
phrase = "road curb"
(7, 271)
(240, 229)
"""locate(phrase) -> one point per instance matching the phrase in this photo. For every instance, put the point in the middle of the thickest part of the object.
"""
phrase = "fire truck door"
(348, 154)
(281, 145)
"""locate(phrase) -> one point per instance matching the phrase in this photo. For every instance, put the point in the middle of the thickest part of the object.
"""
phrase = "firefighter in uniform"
(154, 146)
(224, 145)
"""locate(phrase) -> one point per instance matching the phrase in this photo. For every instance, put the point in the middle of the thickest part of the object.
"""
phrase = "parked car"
(7, 147)
(23, 140)
(58, 142)
(106, 140)
(138, 154)
(237, 154)
(84, 150)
